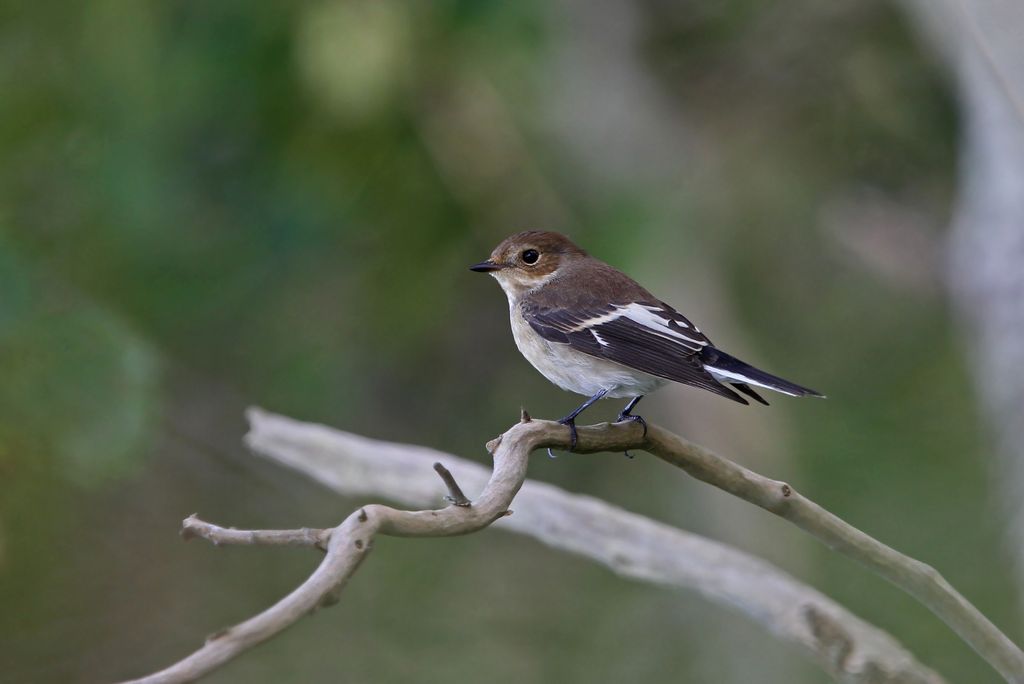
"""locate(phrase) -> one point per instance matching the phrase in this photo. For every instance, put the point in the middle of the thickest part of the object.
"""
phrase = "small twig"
(455, 495)
(192, 527)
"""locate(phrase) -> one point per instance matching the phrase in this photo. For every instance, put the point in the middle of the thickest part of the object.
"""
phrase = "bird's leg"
(570, 419)
(625, 415)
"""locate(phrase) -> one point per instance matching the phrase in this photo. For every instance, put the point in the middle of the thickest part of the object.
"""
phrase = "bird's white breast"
(573, 370)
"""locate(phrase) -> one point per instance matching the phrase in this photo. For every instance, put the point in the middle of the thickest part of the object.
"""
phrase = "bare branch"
(919, 580)
(848, 648)
(348, 544)
(455, 494)
(843, 644)
(192, 527)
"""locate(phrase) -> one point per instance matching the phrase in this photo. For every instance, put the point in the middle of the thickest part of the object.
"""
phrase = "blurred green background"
(205, 206)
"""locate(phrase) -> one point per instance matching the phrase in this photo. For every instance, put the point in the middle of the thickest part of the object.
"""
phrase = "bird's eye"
(530, 256)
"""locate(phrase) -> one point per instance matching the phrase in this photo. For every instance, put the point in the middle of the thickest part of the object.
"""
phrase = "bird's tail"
(726, 368)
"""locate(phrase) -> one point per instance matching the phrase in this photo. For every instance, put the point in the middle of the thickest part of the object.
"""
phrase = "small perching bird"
(592, 330)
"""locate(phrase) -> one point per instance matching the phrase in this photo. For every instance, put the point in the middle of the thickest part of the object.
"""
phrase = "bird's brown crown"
(534, 252)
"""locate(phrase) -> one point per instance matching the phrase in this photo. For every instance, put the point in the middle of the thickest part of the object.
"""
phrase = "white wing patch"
(603, 318)
(644, 316)
(657, 308)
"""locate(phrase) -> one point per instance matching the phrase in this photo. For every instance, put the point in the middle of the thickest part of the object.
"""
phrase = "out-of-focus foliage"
(90, 428)
(204, 205)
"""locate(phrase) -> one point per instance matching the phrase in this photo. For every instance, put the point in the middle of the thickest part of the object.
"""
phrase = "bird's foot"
(625, 416)
(629, 417)
(570, 422)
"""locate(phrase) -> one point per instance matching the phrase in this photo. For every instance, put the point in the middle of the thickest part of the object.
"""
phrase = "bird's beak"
(485, 267)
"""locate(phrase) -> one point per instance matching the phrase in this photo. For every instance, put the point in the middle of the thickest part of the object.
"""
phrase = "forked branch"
(846, 647)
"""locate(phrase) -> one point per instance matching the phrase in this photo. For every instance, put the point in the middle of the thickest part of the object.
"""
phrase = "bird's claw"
(571, 424)
(626, 416)
(573, 437)
(623, 417)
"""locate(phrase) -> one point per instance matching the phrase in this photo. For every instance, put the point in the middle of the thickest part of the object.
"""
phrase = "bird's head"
(529, 259)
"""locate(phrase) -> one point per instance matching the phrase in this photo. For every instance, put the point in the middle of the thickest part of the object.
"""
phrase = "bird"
(592, 330)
